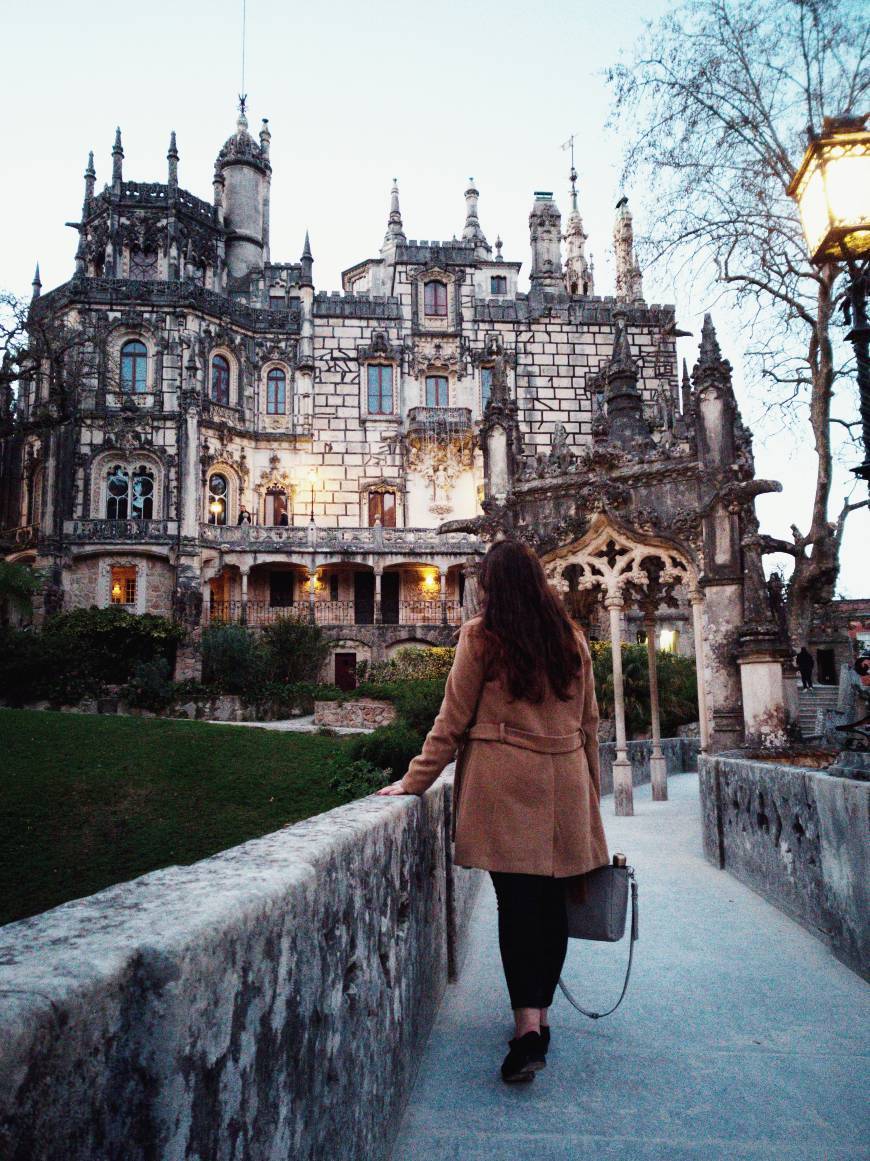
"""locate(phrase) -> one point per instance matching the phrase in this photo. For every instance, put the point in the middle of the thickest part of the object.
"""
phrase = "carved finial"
(172, 158)
(90, 171)
(265, 137)
(117, 158)
(498, 246)
(395, 230)
(709, 350)
(621, 360)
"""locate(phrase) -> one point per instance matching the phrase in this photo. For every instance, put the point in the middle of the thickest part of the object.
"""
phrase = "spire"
(37, 282)
(625, 418)
(622, 364)
(498, 246)
(307, 261)
(629, 287)
(578, 272)
(265, 137)
(685, 390)
(472, 231)
(395, 231)
(172, 158)
(90, 179)
(117, 159)
(709, 352)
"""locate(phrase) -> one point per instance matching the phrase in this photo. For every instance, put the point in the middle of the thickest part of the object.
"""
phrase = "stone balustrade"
(110, 531)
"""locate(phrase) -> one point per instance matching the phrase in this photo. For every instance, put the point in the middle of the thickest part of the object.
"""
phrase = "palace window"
(382, 506)
(485, 386)
(220, 379)
(123, 586)
(218, 498)
(276, 392)
(134, 366)
(498, 284)
(276, 508)
(129, 496)
(380, 389)
(143, 264)
(435, 299)
(436, 390)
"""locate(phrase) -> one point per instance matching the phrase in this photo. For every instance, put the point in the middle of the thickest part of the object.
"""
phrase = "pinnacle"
(709, 349)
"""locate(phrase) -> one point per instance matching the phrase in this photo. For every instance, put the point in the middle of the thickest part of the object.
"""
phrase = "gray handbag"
(596, 905)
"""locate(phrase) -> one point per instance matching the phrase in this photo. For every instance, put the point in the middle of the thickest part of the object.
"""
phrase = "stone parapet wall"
(366, 712)
(799, 837)
(271, 1001)
(681, 756)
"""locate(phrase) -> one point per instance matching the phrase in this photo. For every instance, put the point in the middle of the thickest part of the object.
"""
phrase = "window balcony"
(120, 531)
(445, 420)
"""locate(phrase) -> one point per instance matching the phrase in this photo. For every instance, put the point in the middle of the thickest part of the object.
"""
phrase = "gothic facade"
(200, 431)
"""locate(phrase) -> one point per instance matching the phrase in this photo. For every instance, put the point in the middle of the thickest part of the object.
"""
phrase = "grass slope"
(89, 801)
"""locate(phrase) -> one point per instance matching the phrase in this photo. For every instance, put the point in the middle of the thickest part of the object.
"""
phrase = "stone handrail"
(372, 539)
(278, 993)
(110, 531)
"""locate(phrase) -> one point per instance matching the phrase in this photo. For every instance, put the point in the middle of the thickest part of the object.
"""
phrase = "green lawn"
(88, 801)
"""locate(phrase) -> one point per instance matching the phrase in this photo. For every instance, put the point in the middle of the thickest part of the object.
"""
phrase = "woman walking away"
(527, 807)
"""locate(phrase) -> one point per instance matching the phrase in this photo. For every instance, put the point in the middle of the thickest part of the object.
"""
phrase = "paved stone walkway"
(740, 1037)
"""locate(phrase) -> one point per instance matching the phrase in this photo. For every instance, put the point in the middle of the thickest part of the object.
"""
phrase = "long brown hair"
(529, 635)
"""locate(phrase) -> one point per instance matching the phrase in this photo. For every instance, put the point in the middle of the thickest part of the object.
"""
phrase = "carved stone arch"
(621, 564)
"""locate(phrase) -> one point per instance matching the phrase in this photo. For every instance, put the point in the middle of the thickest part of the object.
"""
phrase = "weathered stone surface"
(800, 838)
(367, 712)
(269, 1002)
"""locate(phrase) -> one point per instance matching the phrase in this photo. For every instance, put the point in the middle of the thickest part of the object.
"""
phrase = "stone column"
(623, 793)
(244, 575)
(442, 574)
(312, 576)
(697, 599)
(657, 766)
(378, 614)
(206, 602)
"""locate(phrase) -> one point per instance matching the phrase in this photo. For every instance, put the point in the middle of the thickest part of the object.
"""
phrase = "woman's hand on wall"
(394, 788)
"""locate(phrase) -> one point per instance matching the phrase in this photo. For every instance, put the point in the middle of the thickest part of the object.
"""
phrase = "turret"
(37, 283)
(243, 172)
(545, 232)
(578, 272)
(472, 231)
(629, 284)
(117, 162)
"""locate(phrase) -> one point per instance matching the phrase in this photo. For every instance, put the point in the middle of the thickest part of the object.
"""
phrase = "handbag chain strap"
(634, 932)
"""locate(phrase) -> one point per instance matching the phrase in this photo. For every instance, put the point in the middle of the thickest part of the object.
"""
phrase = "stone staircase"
(820, 697)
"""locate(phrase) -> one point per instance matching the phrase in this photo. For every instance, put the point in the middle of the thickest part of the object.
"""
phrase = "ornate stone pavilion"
(199, 431)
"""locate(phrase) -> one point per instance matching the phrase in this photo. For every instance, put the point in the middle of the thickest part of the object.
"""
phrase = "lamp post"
(312, 480)
(832, 191)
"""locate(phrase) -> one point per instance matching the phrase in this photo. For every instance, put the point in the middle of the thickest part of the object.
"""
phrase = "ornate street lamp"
(832, 191)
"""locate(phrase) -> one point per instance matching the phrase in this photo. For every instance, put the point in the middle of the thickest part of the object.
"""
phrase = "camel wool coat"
(521, 807)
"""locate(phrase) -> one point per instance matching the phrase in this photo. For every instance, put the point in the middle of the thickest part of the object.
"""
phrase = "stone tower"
(629, 285)
(578, 272)
(545, 233)
(243, 177)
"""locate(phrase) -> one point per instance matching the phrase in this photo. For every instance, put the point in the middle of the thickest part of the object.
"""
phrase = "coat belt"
(542, 743)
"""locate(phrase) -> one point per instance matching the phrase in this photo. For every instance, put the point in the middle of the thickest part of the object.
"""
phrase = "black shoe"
(526, 1057)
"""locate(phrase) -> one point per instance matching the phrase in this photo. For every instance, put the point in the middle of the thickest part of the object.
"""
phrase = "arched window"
(218, 498)
(276, 392)
(436, 390)
(118, 493)
(130, 496)
(435, 298)
(134, 366)
(220, 379)
(142, 494)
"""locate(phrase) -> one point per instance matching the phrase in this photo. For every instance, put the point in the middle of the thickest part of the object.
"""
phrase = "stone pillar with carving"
(716, 419)
(499, 433)
(623, 791)
(657, 765)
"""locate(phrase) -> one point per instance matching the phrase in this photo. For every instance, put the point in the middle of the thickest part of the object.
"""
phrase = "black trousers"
(532, 935)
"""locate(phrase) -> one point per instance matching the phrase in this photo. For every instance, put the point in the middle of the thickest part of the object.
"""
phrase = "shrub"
(391, 746)
(409, 664)
(358, 778)
(104, 645)
(232, 658)
(294, 649)
(678, 692)
(150, 687)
